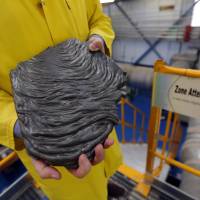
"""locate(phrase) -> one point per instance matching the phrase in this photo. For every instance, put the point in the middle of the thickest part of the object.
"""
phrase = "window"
(196, 15)
(107, 1)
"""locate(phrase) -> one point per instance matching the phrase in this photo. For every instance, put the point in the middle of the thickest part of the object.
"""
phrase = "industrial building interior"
(161, 146)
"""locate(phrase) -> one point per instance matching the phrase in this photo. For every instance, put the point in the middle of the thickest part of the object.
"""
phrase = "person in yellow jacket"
(27, 28)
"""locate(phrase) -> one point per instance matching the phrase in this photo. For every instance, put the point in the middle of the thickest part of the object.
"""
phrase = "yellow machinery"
(171, 136)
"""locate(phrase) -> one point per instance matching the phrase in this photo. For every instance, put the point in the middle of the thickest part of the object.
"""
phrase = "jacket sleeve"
(113, 156)
(100, 24)
(8, 117)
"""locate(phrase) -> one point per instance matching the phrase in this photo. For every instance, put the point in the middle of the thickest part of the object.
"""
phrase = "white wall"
(129, 50)
(128, 45)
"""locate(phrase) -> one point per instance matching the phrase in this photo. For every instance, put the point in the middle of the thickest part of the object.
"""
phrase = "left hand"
(96, 43)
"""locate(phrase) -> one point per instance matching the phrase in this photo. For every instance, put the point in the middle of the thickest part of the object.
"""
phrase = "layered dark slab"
(66, 99)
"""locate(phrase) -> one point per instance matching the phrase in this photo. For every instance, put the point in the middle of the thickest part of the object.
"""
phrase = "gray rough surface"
(66, 101)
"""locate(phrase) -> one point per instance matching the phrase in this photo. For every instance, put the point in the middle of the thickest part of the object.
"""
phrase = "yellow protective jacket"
(27, 28)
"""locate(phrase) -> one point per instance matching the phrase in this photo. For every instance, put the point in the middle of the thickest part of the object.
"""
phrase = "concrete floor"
(135, 156)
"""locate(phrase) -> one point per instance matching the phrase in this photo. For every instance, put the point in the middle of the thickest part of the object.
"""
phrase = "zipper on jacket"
(73, 18)
(68, 4)
(46, 21)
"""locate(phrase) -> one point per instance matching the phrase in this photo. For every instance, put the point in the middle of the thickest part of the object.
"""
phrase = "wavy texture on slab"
(66, 101)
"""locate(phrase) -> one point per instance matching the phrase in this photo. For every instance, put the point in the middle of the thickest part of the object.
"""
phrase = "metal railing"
(171, 137)
(133, 125)
(8, 160)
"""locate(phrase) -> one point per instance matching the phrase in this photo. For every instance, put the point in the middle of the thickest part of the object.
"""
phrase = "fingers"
(85, 164)
(48, 172)
(84, 167)
(45, 171)
(99, 154)
(99, 150)
(108, 143)
(96, 44)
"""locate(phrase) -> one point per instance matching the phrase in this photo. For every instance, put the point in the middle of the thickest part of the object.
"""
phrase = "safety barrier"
(133, 126)
(172, 136)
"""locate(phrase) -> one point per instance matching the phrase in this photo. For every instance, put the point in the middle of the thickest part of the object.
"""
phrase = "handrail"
(12, 157)
(178, 164)
(160, 66)
(171, 137)
(129, 125)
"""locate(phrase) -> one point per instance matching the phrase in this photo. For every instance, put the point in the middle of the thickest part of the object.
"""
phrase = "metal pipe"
(139, 77)
(191, 157)
(12, 157)
(178, 164)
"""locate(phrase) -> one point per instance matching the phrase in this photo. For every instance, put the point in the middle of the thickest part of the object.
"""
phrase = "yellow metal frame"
(133, 126)
(171, 136)
(11, 158)
(161, 67)
(172, 139)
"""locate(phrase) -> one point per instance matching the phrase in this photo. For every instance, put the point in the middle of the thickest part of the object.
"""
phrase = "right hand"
(49, 172)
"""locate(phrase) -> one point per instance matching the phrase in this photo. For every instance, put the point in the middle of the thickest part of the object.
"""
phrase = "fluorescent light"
(107, 1)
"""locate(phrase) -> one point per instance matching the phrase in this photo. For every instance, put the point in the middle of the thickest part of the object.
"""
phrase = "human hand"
(49, 172)
(96, 43)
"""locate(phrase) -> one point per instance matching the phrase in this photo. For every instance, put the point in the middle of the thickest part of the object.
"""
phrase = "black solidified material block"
(66, 99)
